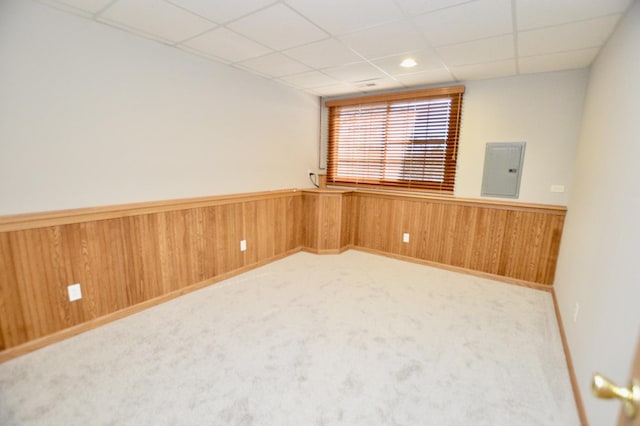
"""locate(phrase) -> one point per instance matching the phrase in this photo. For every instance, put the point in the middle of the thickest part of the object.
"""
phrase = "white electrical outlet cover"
(243, 245)
(405, 237)
(75, 293)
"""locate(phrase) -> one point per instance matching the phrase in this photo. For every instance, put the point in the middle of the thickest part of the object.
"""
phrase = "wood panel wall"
(328, 220)
(121, 262)
(133, 256)
(512, 240)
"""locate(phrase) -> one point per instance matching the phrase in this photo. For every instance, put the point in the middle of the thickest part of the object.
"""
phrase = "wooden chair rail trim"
(64, 217)
(326, 192)
(494, 204)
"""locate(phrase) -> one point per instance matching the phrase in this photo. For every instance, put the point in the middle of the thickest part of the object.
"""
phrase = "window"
(405, 140)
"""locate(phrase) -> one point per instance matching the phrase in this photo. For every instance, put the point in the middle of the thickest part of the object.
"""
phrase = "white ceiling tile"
(574, 59)
(355, 73)
(485, 50)
(91, 6)
(415, 7)
(385, 40)
(203, 54)
(469, 21)
(441, 75)
(342, 16)
(542, 13)
(482, 71)
(310, 79)
(226, 44)
(334, 90)
(157, 18)
(278, 27)
(251, 71)
(324, 54)
(222, 11)
(382, 84)
(275, 65)
(425, 59)
(358, 42)
(578, 35)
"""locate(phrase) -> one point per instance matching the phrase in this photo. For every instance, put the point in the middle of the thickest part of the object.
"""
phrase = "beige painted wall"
(91, 115)
(543, 110)
(598, 264)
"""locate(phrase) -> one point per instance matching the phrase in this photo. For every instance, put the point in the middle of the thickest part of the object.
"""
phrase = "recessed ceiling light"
(408, 63)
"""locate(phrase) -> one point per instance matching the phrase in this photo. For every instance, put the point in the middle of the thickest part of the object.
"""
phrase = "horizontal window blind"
(404, 140)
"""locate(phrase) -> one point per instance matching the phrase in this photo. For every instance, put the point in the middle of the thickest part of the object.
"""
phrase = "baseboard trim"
(56, 337)
(508, 280)
(33, 345)
(572, 372)
(548, 288)
(326, 251)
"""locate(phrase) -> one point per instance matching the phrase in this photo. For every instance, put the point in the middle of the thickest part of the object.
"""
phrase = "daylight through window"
(406, 140)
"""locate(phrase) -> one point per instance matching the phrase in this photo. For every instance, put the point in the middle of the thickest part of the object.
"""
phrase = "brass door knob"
(630, 397)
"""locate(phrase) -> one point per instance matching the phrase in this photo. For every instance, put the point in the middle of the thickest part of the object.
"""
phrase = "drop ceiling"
(335, 47)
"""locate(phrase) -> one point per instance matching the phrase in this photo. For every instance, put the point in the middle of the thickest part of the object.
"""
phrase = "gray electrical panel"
(502, 169)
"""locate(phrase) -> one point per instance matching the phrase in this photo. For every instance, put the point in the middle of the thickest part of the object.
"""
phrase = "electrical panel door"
(502, 169)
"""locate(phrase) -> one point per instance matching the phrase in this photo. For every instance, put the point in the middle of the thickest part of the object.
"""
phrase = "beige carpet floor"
(351, 339)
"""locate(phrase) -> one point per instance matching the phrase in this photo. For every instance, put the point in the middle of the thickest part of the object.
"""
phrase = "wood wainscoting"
(327, 221)
(511, 240)
(130, 257)
(127, 255)
(514, 241)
